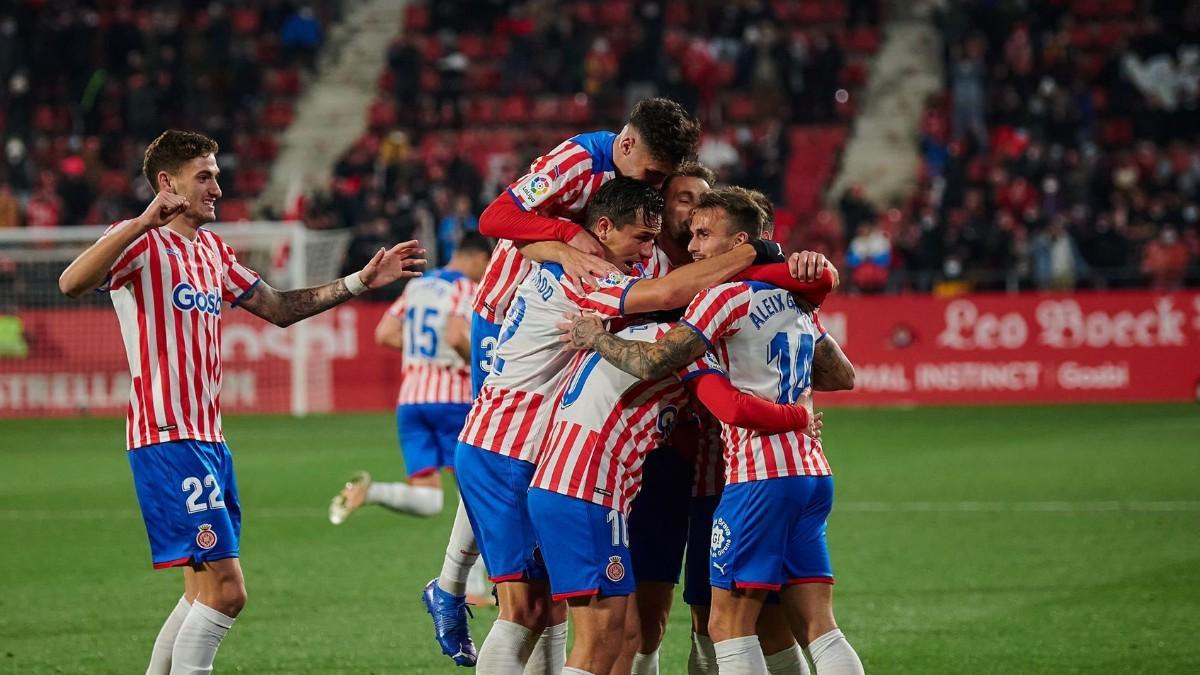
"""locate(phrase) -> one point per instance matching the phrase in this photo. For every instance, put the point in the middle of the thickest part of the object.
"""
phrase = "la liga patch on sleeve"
(533, 189)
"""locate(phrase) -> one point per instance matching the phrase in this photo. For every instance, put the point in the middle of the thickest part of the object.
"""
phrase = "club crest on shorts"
(720, 538)
(206, 538)
(615, 570)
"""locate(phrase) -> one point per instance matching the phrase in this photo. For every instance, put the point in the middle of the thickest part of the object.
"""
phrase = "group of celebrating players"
(623, 388)
(628, 386)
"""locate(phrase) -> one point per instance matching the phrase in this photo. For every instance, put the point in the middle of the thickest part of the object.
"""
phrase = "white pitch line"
(848, 506)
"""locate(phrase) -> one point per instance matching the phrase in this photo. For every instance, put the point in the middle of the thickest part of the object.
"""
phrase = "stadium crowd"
(471, 96)
(84, 86)
(1065, 153)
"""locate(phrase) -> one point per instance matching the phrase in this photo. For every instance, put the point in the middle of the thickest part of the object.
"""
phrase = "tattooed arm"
(645, 360)
(831, 370)
(284, 308)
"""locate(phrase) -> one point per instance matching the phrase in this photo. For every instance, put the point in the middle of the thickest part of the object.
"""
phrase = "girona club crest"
(615, 570)
(206, 538)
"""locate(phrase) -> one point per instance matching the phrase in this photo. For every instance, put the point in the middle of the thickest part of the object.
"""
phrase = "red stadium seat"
(416, 18)
(472, 46)
(515, 110)
(232, 210)
(245, 20)
(677, 13)
(278, 115)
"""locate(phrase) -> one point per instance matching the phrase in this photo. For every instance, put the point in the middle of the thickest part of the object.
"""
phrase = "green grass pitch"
(965, 540)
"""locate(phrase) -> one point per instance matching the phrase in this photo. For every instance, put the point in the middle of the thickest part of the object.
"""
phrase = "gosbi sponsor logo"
(186, 298)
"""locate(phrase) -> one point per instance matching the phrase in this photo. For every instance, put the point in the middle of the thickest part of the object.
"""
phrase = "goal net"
(60, 356)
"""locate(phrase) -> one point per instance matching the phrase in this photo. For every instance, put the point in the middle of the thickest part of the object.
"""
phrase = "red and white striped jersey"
(604, 423)
(709, 458)
(559, 185)
(656, 266)
(514, 406)
(765, 342)
(433, 371)
(167, 291)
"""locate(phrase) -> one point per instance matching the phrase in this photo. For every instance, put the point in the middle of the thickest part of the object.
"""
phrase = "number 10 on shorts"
(620, 528)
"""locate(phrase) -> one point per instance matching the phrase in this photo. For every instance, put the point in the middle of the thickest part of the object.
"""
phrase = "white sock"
(703, 658)
(740, 656)
(789, 661)
(645, 664)
(506, 649)
(198, 639)
(160, 658)
(833, 655)
(550, 652)
(575, 671)
(418, 500)
(461, 554)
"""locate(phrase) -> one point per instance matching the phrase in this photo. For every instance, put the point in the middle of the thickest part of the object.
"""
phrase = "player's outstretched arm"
(284, 308)
(645, 360)
(831, 369)
(88, 271)
(681, 285)
(737, 408)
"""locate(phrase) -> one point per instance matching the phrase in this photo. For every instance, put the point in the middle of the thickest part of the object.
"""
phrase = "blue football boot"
(450, 624)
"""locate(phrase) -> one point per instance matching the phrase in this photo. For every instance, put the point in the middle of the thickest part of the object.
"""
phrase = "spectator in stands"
(869, 258)
(10, 208)
(1057, 263)
(301, 37)
(451, 227)
(969, 93)
(1165, 261)
(44, 208)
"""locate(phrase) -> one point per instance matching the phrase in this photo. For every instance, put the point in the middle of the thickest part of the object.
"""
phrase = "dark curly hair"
(744, 208)
(691, 169)
(621, 199)
(670, 133)
(171, 150)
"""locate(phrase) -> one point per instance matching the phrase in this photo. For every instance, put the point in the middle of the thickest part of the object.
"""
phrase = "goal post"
(60, 356)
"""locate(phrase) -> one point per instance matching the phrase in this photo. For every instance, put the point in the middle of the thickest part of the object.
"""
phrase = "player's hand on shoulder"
(807, 266)
(584, 241)
(584, 268)
(814, 425)
(164, 208)
(580, 330)
(394, 263)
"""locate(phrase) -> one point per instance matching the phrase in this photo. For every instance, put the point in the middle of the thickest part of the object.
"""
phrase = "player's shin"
(703, 657)
(461, 555)
(789, 661)
(833, 655)
(506, 649)
(160, 658)
(550, 652)
(740, 656)
(417, 500)
(198, 640)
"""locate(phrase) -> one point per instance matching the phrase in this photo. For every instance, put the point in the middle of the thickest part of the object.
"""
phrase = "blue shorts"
(493, 489)
(696, 589)
(768, 534)
(189, 501)
(658, 517)
(585, 546)
(484, 335)
(429, 434)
